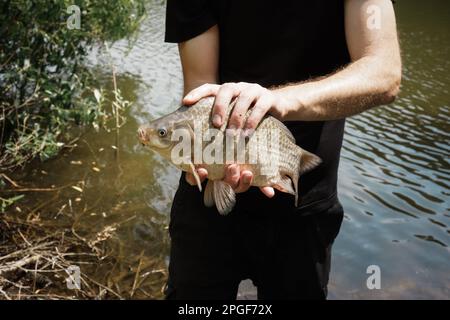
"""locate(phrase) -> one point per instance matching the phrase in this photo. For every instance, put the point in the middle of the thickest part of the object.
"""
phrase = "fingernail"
(189, 97)
(246, 179)
(233, 170)
(217, 120)
(248, 132)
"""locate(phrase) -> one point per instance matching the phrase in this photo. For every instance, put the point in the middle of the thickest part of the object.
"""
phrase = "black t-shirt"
(274, 43)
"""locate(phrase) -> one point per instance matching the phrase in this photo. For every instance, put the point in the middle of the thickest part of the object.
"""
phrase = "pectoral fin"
(208, 197)
(197, 178)
(224, 197)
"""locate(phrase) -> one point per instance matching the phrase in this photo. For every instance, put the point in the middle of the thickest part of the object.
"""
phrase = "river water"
(394, 173)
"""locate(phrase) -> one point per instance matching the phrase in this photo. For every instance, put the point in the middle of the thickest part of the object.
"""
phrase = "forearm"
(200, 59)
(363, 84)
(373, 77)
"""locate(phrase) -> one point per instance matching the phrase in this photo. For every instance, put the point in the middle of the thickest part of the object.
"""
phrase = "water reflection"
(394, 177)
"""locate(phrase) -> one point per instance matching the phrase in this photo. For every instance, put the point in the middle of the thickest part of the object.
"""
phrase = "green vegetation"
(6, 202)
(45, 86)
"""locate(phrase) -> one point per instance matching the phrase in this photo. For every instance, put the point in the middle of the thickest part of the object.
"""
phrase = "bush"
(44, 84)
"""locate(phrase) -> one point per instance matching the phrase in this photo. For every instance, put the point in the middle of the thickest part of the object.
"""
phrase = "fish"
(188, 139)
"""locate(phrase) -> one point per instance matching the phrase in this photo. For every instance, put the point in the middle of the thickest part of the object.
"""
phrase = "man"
(309, 64)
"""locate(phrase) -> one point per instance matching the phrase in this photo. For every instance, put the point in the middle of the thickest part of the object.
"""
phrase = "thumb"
(201, 92)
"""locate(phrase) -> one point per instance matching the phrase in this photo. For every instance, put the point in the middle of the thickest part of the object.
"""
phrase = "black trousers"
(285, 253)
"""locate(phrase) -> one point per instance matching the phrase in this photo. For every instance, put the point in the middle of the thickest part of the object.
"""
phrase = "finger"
(223, 99)
(259, 110)
(232, 175)
(202, 173)
(268, 191)
(243, 103)
(244, 182)
(201, 92)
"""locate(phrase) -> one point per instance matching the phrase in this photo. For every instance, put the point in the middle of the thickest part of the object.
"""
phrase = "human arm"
(372, 78)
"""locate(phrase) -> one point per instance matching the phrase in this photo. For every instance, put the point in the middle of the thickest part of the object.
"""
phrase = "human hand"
(239, 181)
(249, 96)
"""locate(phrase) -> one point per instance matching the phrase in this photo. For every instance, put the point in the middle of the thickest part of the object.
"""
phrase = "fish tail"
(308, 161)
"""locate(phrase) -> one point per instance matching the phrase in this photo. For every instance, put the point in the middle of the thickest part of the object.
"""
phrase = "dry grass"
(34, 259)
(34, 266)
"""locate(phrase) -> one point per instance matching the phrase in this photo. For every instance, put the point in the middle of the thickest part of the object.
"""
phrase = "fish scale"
(279, 161)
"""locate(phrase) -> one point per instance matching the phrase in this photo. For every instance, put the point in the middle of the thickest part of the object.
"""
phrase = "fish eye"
(162, 132)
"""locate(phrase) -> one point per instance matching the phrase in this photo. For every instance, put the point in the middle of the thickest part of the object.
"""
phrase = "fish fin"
(295, 182)
(208, 197)
(224, 197)
(197, 178)
(288, 185)
(308, 161)
(285, 185)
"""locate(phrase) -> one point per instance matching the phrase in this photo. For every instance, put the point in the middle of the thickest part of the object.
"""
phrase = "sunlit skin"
(371, 79)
